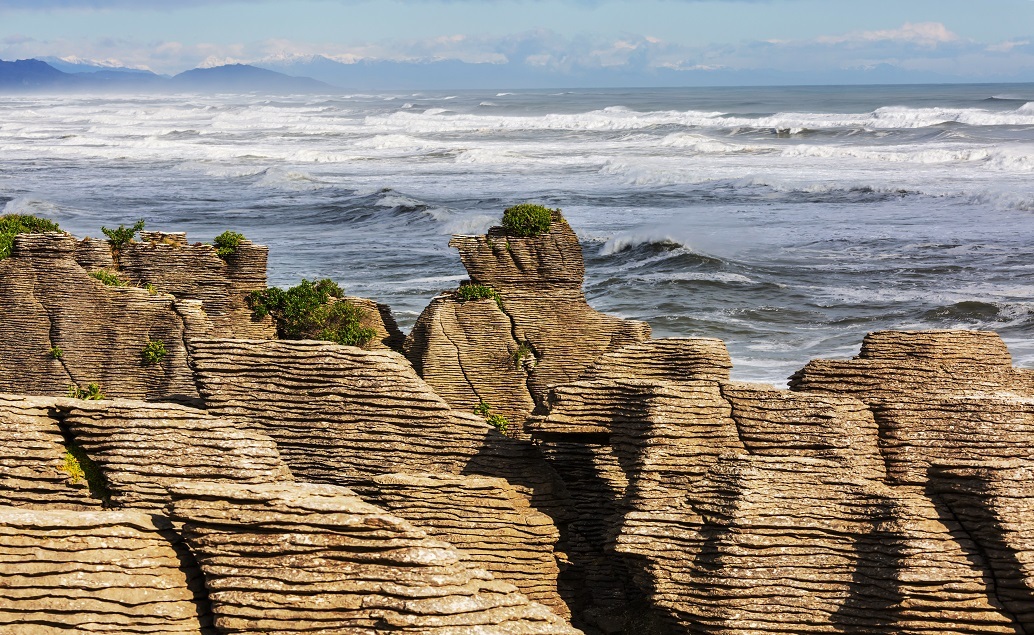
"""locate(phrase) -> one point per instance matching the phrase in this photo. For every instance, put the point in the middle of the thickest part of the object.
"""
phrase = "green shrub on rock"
(13, 224)
(470, 292)
(81, 468)
(227, 243)
(119, 238)
(499, 422)
(154, 352)
(92, 392)
(527, 220)
(312, 310)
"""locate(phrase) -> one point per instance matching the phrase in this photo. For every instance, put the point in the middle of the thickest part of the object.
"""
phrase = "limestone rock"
(117, 573)
(32, 455)
(342, 415)
(487, 520)
(994, 502)
(195, 272)
(302, 558)
(544, 314)
(783, 423)
(797, 545)
(380, 318)
(669, 359)
(143, 448)
(897, 365)
(628, 447)
(59, 326)
(466, 353)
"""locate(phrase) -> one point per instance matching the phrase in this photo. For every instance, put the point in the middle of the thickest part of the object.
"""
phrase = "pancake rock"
(379, 317)
(196, 272)
(99, 572)
(544, 331)
(33, 453)
(798, 545)
(487, 520)
(142, 448)
(61, 327)
(342, 415)
(303, 558)
(994, 502)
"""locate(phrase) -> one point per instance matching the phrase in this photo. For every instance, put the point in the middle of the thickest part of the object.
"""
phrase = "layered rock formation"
(32, 458)
(168, 263)
(541, 333)
(485, 518)
(61, 327)
(342, 415)
(143, 448)
(315, 558)
(97, 572)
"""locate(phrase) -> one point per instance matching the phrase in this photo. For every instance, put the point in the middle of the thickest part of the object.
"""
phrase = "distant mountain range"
(39, 76)
(319, 74)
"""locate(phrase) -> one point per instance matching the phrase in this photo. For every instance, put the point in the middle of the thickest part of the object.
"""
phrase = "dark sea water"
(787, 221)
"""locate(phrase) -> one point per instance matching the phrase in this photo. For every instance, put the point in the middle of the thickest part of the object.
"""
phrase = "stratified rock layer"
(542, 334)
(994, 502)
(117, 573)
(143, 448)
(195, 272)
(342, 415)
(314, 558)
(487, 520)
(59, 326)
(32, 458)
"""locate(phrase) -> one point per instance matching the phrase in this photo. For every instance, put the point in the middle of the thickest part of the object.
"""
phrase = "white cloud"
(921, 34)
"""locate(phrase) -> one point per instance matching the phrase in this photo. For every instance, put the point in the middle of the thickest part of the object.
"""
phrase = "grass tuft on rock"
(81, 468)
(92, 392)
(471, 292)
(13, 224)
(527, 220)
(227, 243)
(499, 422)
(108, 278)
(313, 310)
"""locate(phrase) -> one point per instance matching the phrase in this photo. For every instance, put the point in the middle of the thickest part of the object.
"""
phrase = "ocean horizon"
(787, 221)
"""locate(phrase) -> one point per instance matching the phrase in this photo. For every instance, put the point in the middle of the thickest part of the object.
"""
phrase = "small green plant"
(56, 353)
(499, 422)
(522, 353)
(13, 224)
(119, 238)
(81, 468)
(527, 220)
(470, 292)
(313, 310)
(92, 392)
(151, 288)
(227, 243)
(154, 352)
(108, 278)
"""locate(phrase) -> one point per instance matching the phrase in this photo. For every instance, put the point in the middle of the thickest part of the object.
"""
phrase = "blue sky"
(967, 39)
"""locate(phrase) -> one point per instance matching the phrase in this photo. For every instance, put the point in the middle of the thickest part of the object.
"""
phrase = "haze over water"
(786, 221)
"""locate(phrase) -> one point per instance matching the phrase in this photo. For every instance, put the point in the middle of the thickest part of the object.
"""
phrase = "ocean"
(786, 221)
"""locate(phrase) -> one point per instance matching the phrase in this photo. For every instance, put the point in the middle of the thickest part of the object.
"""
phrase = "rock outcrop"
(105, 572)
(168, 263)
(33, 455)
(143, 448)
(314, 558)
(541, 333)
(485, 518)
(61, 327)
(994, 502)
(379, 317)
(342, 415)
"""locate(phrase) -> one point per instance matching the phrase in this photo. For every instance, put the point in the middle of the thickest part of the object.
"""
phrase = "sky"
(967, 40)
